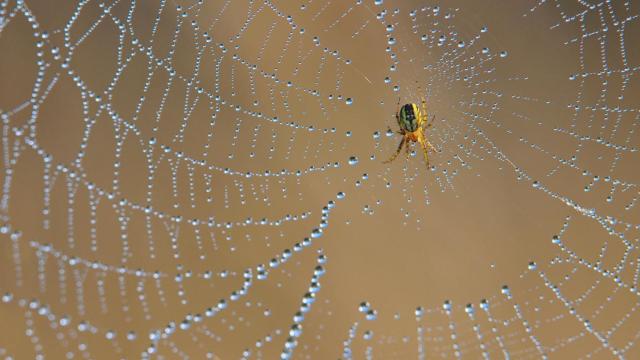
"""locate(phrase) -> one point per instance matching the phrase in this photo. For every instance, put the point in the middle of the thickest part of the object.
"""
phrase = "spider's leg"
(406, 149)
(427, 124)
(397, 152)
(431, 146)
(425, 148)
(399, 132)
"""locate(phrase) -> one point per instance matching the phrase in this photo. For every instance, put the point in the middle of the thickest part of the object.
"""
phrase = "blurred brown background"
(130, 127)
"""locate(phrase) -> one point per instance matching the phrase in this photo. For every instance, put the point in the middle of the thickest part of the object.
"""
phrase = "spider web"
(203, 179)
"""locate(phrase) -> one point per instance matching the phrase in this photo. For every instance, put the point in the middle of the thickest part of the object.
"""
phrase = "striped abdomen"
(408, 117)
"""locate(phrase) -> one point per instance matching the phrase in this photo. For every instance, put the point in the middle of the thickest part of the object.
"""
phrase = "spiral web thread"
(68, 282)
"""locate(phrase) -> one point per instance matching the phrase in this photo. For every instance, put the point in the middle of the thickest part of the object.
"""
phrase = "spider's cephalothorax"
(413, 125)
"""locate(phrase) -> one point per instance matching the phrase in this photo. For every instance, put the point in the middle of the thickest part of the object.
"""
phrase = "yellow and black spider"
(413, 125)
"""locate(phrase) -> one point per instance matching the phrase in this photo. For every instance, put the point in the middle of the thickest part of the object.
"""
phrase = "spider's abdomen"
(408, 117)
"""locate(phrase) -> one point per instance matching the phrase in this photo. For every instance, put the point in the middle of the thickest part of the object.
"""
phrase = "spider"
(413, 125)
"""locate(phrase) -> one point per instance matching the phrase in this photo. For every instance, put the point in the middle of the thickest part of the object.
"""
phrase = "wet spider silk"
(204, 179)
